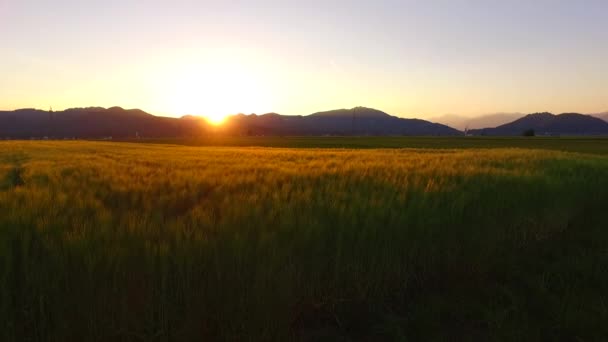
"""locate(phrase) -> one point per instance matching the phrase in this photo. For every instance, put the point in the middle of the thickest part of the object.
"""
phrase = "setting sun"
(215, 90)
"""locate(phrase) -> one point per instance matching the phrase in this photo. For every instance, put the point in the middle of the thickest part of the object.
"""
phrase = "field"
(447, 239)
(592, 145)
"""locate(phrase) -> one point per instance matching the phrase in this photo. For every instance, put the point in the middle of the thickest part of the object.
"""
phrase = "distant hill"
(461, 122)
(355, 121)
(94, 122)
(550, 124)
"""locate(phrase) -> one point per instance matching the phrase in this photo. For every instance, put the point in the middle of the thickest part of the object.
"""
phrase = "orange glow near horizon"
(213, 89)
(216, 120)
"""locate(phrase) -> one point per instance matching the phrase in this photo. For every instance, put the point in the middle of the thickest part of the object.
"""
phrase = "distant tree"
(529, 133)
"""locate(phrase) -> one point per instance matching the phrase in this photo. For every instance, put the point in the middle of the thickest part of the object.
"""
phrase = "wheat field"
(103, 241)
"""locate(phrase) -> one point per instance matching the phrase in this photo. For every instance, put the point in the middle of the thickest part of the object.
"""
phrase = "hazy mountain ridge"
(550, 124)
(603, 116)
(116, 122)
(96, 122)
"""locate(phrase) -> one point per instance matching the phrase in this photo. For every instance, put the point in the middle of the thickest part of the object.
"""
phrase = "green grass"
(123, 242)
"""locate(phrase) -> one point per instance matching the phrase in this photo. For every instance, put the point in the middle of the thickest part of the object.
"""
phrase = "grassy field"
(105, 241)
(593, 145)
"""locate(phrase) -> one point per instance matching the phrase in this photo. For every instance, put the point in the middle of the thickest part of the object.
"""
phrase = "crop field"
(591, 145)
(161, 241)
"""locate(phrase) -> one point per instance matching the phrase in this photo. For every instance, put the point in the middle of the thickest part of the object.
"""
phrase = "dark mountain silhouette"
(95, 122)
(461, 122)
(355, 121)
(550, 124)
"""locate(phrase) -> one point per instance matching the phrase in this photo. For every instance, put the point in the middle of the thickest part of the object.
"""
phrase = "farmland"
(304, 239)
(590, 145)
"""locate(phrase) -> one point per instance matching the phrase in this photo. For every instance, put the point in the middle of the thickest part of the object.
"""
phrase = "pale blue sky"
(409, 58)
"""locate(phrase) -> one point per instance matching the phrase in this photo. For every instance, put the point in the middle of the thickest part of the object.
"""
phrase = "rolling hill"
(355, 121)
(94, 122)
(550, 124)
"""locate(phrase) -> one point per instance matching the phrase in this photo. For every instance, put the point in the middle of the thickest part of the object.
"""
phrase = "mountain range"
(116, 122)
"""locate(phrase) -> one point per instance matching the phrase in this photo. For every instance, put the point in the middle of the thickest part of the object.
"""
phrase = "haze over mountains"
(462, 122)
(603, 116)
(116, 122)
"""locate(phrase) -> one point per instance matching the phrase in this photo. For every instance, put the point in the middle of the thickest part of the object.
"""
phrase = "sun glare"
(215, 91)
(216, 119)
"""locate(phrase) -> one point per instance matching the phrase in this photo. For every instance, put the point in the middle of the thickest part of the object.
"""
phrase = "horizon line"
(430, 116)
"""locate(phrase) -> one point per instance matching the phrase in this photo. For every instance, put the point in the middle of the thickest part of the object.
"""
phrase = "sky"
(408, 58)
